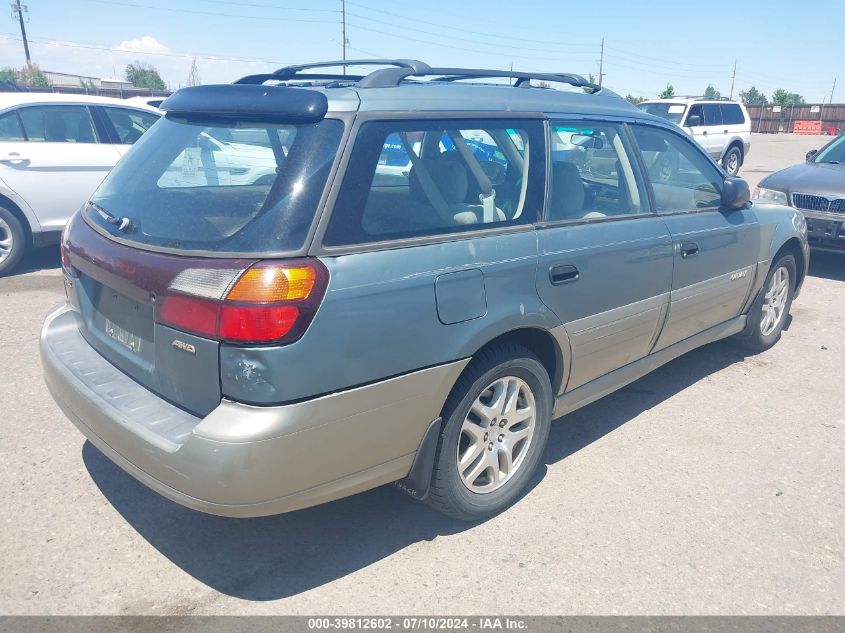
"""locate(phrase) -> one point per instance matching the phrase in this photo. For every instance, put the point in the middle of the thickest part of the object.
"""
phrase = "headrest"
(449, 174)
(567, 200)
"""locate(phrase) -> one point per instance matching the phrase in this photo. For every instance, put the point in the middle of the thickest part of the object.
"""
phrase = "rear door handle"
(689, 249)
(13, 157)
(563, 274)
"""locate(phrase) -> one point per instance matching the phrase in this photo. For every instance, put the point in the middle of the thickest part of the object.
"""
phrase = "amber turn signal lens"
(263, 284)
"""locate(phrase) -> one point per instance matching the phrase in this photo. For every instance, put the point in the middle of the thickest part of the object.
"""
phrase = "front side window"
(712, 114)
(219, 185)
(10, 128)
(834, 153)
(593, 174)
(130, 124)
(411, 179)
(58, 124)
(681, 176)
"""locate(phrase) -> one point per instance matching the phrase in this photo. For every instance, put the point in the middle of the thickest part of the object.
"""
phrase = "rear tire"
(732, 161)
(12, 241)
(496, 423)
(770, 310)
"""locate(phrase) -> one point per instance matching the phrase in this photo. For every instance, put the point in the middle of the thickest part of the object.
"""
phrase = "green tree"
(752, 96)
(144, 76)
(668, 93)
(711, 93)
(783, 97)
(7, 73)
(635, 100)
(31, 75)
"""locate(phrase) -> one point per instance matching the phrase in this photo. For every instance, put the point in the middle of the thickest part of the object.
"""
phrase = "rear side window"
(129, 124)
(221, 186)
(681, 177)
(58, 124)
(594, 174)
(10, 128)
(732, 114)
(411, 179)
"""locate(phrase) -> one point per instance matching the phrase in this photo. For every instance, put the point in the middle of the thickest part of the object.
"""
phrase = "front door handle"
(689, 249)
(563, 274)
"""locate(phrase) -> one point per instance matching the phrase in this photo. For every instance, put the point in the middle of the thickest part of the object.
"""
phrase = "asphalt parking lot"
(712, 486)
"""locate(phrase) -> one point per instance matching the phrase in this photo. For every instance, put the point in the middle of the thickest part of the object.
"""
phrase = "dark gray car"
(817, 188)
(432, 272)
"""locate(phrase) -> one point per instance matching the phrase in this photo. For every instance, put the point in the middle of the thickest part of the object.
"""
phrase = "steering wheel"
(496, 172)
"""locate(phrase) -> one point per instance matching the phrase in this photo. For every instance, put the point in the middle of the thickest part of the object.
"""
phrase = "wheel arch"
(793, 247)
(739, 145)
(15, 209)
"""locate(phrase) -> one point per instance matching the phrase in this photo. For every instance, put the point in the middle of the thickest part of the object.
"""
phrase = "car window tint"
(219, 157)
(732, 114)
(681, 176)
(712, 114)
(426, 178)
(695, 110)
(130, 124)
(592, 173)
(58, 124)
(10, 128)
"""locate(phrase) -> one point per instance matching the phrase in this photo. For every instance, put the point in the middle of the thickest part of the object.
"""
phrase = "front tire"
(732, 161)
(12, 241)
(496, 423)
(770, 310)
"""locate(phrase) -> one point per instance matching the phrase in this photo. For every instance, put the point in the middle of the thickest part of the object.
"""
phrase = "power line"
(262, 18)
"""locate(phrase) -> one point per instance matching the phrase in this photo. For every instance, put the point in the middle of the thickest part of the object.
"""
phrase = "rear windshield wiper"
(123, 224)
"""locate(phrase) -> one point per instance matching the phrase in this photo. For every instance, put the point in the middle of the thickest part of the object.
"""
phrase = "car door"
(605, 260)
(126, 125)
(58, 164)
(714, 130)
(714, 249)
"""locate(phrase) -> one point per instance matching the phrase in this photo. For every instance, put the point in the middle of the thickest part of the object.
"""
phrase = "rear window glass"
(732, 114)
(225, 187)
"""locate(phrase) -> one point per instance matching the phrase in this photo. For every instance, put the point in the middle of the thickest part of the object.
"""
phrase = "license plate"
(127, 339)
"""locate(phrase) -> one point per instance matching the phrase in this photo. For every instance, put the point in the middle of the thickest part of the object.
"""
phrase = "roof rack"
(701, 98)
(295, 72)
(401, 69)
(390, 77)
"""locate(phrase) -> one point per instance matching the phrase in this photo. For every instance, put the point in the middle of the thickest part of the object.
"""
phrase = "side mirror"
(735, 193)
(693, 120)
(811, 155)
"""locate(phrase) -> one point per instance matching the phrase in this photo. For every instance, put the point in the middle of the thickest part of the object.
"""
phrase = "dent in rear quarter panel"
(777, 227)
(379, 319)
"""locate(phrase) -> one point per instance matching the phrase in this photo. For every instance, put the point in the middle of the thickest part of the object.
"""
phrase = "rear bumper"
(242, 460)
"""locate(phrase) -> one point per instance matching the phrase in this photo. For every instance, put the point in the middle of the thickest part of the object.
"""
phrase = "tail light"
(269, 302)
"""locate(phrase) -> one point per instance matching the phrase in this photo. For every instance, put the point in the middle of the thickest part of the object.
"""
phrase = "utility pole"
(343, 12)
(19, 10)
(601, 62)
(733, 80)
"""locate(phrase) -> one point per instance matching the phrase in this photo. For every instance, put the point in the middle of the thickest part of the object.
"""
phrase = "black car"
(817, 188)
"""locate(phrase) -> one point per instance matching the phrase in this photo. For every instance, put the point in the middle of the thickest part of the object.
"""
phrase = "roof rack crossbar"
(391, 77)
(294, 72)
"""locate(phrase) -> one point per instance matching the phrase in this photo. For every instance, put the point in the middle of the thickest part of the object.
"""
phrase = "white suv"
(721, 127)
(55, 149)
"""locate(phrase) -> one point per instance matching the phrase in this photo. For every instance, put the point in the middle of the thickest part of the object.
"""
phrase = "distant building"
(67, 80)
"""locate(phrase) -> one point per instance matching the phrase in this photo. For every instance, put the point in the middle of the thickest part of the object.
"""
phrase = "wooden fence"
(771, 119)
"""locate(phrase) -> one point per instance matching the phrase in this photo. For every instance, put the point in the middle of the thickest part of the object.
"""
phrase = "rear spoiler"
(249, 102)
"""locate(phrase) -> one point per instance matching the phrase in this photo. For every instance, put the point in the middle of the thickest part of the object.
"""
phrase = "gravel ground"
(712, 486)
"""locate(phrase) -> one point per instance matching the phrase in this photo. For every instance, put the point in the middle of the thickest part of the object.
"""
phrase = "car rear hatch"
(187, 245)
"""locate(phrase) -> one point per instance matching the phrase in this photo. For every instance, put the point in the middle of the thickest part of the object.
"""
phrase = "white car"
(721, 127)
(55, 149)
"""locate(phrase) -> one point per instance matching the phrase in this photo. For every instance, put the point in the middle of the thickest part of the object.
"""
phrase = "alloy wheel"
(6, 240)
(774, 301)
(496, 434)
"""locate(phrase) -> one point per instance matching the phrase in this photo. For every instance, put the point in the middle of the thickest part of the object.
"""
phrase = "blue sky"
(647, 44)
